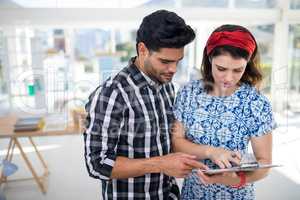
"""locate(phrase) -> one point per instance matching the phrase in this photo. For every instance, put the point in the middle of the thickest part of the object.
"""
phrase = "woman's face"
(227, 72)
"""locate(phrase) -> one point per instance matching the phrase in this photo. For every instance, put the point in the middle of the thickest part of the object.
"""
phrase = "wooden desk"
(7, 131)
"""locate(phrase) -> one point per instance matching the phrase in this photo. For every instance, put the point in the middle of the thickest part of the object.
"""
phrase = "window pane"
(23, 103)
(140, 3)
(264, 35)
(186, 3)
(71, 4)
(294, 68)
(255, 3)
(205, 3)
(4, 102)
(2, 90)
(295, 4)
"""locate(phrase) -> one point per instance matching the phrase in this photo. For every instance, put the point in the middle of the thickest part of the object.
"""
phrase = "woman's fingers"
(226, 159)
(227, 163)
(234, 160)
(220, 164)
(233, 157)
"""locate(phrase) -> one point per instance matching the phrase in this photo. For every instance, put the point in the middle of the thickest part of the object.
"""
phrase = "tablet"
(244, 167)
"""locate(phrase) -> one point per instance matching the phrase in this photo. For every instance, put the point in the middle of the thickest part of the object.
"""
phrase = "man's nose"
(172, 68)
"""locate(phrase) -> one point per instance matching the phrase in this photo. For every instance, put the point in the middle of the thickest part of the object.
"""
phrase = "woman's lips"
(227, 85)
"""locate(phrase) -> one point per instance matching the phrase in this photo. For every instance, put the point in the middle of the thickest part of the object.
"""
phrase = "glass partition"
(51, 70)
(294, 68)
(294, 4)
(250, 4)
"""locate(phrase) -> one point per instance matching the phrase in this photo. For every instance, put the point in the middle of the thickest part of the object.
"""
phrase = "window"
(255, 3)
(4, 98)
(264, 35)
(294, 67)
(205, 3)
(71, 4)
(294, 4)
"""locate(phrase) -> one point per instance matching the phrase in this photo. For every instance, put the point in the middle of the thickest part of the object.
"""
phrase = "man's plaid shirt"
(131, 116)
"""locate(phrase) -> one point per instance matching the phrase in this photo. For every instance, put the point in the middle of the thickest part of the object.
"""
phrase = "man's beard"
(150, 71)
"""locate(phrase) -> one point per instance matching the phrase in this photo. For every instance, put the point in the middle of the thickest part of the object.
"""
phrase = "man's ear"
(142, 49)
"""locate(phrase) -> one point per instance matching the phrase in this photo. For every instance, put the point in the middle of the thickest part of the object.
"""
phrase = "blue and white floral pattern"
(227, 122)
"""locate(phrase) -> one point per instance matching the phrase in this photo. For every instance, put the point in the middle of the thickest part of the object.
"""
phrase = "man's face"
(161, 65)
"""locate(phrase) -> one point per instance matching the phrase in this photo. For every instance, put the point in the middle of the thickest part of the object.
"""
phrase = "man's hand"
(179, 164)
(223, 157)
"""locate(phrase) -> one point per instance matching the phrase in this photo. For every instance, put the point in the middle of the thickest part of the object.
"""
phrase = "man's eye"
(165, 62)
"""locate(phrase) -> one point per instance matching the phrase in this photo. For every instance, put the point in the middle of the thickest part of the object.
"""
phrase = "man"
(127, 137)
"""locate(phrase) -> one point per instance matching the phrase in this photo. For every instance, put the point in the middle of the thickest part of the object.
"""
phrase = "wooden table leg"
(8, 149)
(8, 156)
(35, 176)
(39, 156)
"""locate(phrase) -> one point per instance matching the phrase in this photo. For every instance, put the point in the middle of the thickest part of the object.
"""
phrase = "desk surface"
(7, 129)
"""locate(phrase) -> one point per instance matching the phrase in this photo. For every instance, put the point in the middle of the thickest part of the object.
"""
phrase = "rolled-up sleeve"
(105, 114)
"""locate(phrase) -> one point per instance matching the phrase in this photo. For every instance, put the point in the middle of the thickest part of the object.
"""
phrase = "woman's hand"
(227, 178)
(223, 157)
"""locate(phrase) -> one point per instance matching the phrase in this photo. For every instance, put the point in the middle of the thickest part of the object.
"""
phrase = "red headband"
(236, 38)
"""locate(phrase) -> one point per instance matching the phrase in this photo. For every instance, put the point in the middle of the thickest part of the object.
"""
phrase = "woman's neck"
(217, 91)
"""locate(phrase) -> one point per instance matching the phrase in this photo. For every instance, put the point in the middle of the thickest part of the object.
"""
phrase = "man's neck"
(138, 65)
(141, 67)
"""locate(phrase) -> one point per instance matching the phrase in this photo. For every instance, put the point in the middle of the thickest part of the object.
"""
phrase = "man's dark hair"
(164, 29)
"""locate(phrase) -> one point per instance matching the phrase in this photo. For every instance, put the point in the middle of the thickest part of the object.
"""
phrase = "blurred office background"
(53, 54)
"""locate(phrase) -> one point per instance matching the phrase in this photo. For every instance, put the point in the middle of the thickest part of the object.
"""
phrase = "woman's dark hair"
(164, 29)
(252, 74)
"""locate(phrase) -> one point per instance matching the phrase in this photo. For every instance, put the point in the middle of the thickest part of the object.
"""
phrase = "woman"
(221, 113)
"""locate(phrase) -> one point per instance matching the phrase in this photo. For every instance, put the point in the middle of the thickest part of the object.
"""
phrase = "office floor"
(68, 178)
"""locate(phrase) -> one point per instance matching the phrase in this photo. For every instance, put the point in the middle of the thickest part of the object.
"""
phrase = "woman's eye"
(221, 69)
(238, 71)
